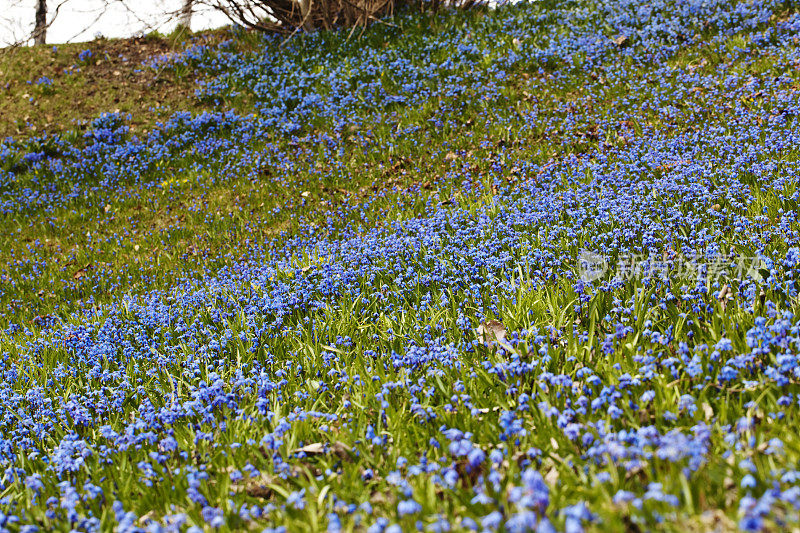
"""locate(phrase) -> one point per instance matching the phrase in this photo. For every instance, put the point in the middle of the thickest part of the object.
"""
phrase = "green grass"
(205, 220)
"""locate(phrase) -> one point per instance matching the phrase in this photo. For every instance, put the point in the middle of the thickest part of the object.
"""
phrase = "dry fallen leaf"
(316, 448)
(258, 487)
(339, 449)
(492, 331)
(378, 498)
(724, 295)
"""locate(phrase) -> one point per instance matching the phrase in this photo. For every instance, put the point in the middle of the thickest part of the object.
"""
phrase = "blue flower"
(405, 507)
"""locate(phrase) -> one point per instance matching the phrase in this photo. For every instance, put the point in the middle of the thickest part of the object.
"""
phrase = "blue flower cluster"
(441, 365)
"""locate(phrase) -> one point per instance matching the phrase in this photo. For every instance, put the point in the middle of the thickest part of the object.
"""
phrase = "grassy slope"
(111, 77)
(196, 223)
(52, 269)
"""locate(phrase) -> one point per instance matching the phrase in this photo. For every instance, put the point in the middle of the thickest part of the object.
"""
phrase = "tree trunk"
(305, 12)
(40, 27)
(186, 14)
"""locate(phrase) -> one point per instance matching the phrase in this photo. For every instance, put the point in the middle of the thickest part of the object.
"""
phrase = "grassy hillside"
(515, 269)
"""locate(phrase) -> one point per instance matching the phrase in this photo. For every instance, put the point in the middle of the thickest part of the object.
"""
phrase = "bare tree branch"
(292, 16)
(186, 14)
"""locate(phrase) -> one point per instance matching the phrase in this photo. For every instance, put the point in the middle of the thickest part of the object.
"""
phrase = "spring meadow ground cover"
(530, 268)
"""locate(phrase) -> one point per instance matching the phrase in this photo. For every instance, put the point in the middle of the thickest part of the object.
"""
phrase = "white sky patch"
(83, 20)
